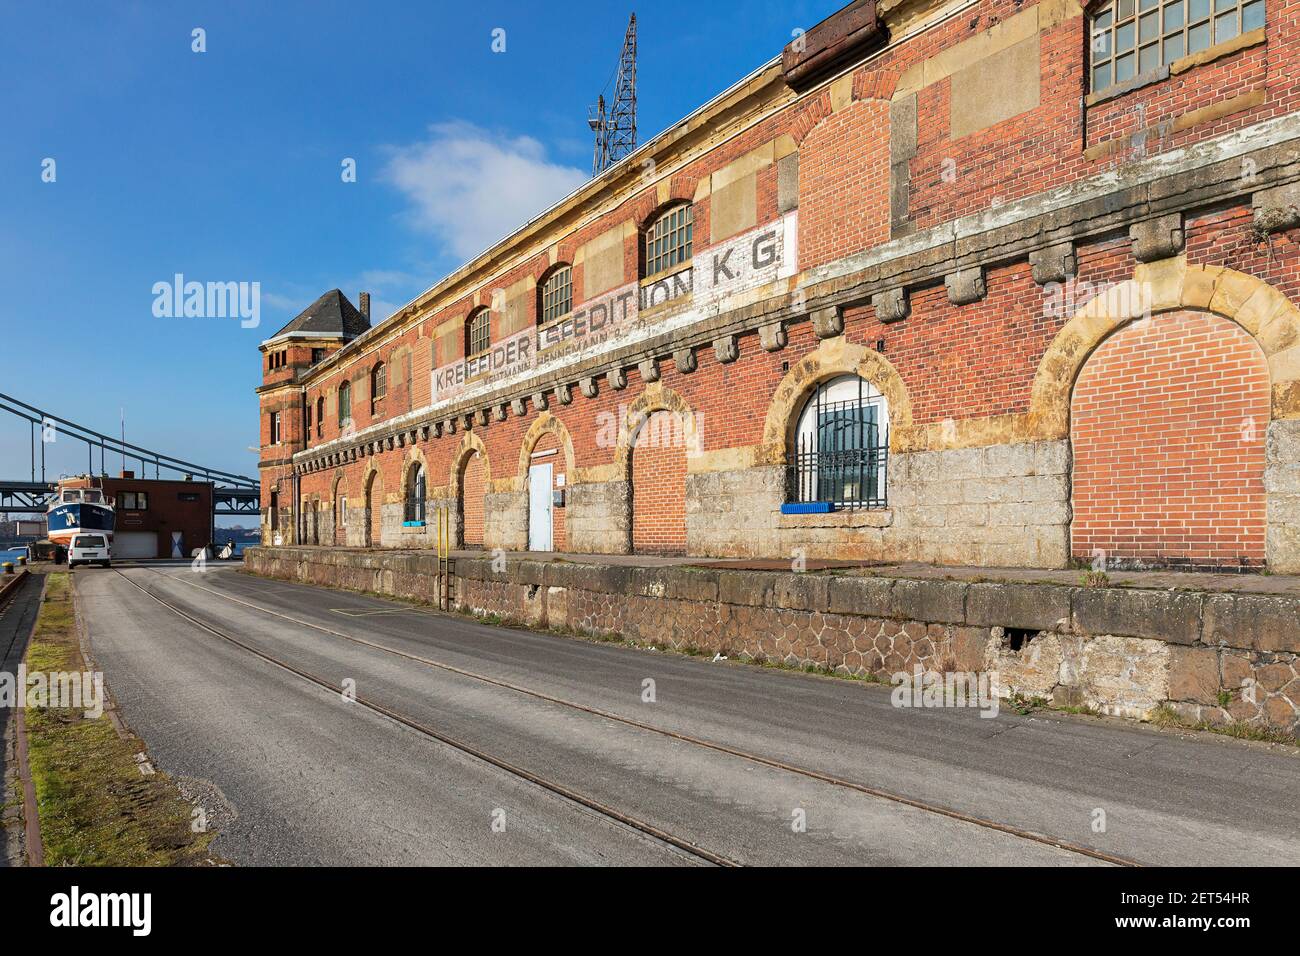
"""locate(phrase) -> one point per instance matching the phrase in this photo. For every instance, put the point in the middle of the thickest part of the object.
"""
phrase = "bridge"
(231, 494)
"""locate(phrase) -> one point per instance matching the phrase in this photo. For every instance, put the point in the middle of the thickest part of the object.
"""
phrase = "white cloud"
(469, 188)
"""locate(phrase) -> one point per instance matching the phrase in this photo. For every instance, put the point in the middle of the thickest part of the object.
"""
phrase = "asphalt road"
(299, 775)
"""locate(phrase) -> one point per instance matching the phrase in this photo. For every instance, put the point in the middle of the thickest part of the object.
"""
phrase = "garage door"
(135, 544)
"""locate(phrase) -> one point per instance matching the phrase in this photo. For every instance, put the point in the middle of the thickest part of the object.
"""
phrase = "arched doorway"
(473, 486)
(374, 511)
(1167, 422)
(659, 484)
(415, 494)
(339, 508)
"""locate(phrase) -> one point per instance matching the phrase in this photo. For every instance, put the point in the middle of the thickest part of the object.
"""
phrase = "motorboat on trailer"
(79, 505)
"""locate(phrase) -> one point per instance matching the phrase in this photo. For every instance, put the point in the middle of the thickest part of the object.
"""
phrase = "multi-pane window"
(668, 240)
(378, 385)
(557, 294)
(275, 428)
(320, 417)
(345, 403)
(478, 332)
(133, 501)
(1130, 37)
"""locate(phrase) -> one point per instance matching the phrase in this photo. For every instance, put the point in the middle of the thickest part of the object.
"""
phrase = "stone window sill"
(875, 518)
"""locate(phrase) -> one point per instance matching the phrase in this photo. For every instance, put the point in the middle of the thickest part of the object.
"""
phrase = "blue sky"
(225, 166)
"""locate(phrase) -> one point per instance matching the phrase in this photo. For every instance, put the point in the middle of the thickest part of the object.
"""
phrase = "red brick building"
(977, 281)
(159, 519)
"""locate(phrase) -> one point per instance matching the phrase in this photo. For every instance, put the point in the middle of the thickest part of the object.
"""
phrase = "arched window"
(668, 239)
(345, 404)
(415, 494)
(556, 294)
(1132, 37)
(840, 447)
(378, 385)
(320, 417)
(478, 332)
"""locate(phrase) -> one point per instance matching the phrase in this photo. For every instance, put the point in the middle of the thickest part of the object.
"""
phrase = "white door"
(135, 544)
(539, 508)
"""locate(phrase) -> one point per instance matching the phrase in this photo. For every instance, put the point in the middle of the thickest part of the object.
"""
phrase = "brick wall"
(1169, 420)
(970, 366)
(473, 488)
(659, 486)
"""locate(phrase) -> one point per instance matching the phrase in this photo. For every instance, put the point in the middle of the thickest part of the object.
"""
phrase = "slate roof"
(331, 315)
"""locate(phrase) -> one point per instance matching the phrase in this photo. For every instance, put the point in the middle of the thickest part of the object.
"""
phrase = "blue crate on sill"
(413, 524)
(807, 507)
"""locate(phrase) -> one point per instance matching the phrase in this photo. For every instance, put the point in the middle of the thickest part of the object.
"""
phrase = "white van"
(89, 549)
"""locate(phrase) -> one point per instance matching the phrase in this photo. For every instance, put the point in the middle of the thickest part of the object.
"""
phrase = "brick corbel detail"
(1277, 209)
(1156, 239)
(772, 336)
(1053, 264)
(891, 306)
(828, 323)
(966, 285)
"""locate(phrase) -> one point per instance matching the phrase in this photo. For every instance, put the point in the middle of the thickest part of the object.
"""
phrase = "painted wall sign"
(504, 359)
(740, 264)
(593, 322)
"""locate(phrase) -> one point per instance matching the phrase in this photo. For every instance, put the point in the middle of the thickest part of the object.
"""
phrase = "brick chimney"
(364, 300)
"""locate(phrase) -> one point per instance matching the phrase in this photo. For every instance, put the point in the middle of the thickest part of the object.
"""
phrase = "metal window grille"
(557, 294)
(478, 333)
(668, 241)
(415, 507)
(1133, 36)
(845, 459)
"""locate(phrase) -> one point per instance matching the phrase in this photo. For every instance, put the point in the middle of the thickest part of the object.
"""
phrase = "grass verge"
(1166, 716)
(96, 806)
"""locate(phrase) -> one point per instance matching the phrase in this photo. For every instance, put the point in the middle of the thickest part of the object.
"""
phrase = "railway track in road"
(759, 759)
(567, 793)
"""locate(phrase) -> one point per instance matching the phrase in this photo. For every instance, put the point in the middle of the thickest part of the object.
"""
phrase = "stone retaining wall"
(1218, 657)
